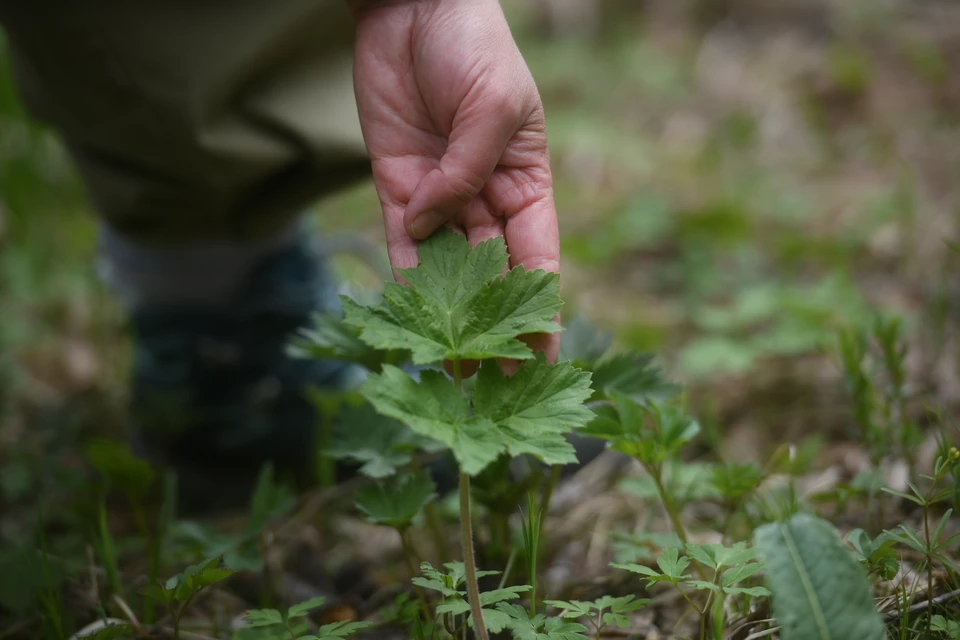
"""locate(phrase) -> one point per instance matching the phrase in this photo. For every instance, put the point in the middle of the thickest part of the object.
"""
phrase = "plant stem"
(668, 505)
(176, 623)
(408, 557)
(926, 536)
(531, 541)
(671, 509)
(703, 619)
(466, 536)
(469, 562)
(49, 599)
(509, 568)
(107, 553)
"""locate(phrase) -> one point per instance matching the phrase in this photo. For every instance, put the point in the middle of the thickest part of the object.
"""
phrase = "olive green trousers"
(194, 121)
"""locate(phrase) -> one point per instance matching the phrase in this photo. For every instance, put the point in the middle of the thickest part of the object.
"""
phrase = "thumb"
(473, 150)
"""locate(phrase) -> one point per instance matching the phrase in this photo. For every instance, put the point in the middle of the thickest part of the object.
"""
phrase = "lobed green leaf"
(456, 306)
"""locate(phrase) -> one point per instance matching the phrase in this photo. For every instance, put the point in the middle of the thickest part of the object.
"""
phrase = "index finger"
(531, 232)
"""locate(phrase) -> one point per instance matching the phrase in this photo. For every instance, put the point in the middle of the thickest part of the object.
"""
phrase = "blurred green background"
(736, 180)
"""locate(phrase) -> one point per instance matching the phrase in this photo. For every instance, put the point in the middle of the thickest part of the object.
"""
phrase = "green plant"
(651, 433)
(819, 589)
(48, 595)
(943, 625)
(241, 551)
(291, 621)
(734, 484)
(456, 599)
(396, 505)
(930, 543)
(456, 308)
(877, 554)
(525, 626)
(730, 567)
(179, 592)
(601, 612)
(531, 527)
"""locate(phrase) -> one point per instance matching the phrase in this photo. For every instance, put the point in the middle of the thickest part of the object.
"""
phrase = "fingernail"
(426, 223)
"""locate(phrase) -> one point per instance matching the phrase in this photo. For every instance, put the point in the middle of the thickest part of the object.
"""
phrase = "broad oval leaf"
(820, 591)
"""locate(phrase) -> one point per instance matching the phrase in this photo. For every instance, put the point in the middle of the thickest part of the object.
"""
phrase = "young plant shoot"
(458, 306)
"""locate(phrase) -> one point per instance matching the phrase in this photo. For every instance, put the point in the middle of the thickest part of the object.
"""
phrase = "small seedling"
(601, 612)
(730, 566)
(539, 627)
(735, 483)
(949, 627)
(178, 592)
(930, 542)
(455, 601)
(291, 620)
(624, 424)
(877, 554)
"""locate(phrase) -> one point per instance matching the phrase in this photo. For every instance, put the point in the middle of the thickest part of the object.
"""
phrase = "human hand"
(455, 130)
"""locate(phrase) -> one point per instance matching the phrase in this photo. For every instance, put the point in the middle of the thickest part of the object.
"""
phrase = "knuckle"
(464, 186)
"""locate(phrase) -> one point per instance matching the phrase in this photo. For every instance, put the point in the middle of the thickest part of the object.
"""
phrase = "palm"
(453, 124)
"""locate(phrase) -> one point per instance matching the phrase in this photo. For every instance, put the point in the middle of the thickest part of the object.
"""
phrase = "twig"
(923, 604)
(128, 613)
(752, 623)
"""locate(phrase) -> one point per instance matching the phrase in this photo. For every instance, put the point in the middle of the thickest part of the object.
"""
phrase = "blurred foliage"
(734, 183)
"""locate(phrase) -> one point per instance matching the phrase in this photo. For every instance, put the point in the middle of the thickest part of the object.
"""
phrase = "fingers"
(401, 248)
(480, 223)
(475, 146)
(532, 235)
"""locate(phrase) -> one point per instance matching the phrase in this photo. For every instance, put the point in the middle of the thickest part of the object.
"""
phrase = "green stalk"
(166, 515)
(49, 598)
(532, 525)
(469, 560)
(668, 505)
(466, 535)
(107, 552)
(671, 509)
(926, 538)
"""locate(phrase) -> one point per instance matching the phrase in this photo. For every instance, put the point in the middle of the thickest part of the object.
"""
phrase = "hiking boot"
(215, 393)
